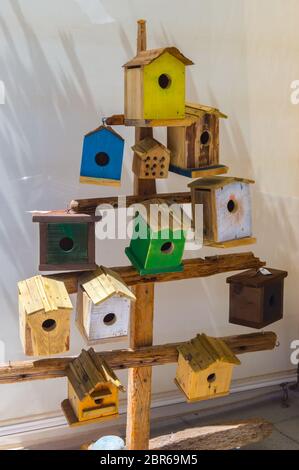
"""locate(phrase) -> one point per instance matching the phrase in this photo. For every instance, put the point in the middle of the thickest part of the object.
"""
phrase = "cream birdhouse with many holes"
(92, 390)
(45, 309)
(225, 203)
(151, 159)
(205, 367)
(103, 306)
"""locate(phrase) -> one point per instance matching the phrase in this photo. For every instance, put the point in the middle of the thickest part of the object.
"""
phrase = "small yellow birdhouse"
(155, 85)
(103, 306)
(45, 308)
(92, 390)
(151, 159)
(205, 367)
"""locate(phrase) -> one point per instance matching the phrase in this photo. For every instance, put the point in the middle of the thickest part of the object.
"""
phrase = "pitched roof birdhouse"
(195, 147)
(155, 85)
(44, 309)
(226, 204)
(103, 306)
(102, 157)
(159, 236)
(151, 159)
(92, 390)
(67, 241)
(205, 367)
(256, 297)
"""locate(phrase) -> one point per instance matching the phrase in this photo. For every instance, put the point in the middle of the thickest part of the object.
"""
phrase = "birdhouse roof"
(103, 283)
(41, 293)
(216, 182)
(198, 110)
(147, 57)
(160, 214)
(203, 351)
(106, 128)
(144, 146)
(256, 278)
(63, 216)
(89, 370)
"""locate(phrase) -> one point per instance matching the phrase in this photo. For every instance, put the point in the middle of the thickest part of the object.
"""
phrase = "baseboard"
(38, 430)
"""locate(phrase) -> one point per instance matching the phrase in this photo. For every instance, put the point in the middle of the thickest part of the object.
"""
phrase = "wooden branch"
(218, 437)
(126, 359)
(88, 206)
(193, 268)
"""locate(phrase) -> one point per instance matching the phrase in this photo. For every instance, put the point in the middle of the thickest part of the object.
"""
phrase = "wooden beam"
(219, 437)
(193, 268)
(144, 357)
(88, 206)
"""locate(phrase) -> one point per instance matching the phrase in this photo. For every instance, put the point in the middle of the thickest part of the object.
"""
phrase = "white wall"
(62, 72)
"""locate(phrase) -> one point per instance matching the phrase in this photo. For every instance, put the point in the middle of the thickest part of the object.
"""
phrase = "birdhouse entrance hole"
(167, 248)
(109, 319)
(205, 138)
(66, 244)
(98, 401)
(232, 206)
(211, 378)
(49, 325)
(164, 81)
(102, 159)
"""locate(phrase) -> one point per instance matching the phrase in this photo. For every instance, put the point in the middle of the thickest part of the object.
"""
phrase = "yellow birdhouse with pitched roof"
(45, 308)
(205, 367)
(92, 390)
(155, 85)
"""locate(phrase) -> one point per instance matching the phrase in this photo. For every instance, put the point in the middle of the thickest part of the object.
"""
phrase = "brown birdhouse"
(205, 367)
(67, 241)
(151, 159)
(195, 147)
(256, 297)
(103, 306)
(92, 390)
(225, 204)
(45, 309)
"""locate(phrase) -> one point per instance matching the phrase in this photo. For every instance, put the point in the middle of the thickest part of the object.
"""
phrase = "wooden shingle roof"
(203, 351)
(87, 371)
(147, 57)
(41, 293)
(104, 283)
(216, 182)
(144, 146)
(198, 110)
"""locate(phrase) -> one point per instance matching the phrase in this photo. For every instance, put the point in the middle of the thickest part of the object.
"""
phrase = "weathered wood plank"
(218, 437)
(128, 358)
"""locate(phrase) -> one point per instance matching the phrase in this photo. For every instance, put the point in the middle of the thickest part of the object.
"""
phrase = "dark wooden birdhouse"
(194, 147)
(151, 159)
(45, 309)
(256, 299)
(103, 306)
(92, 390)
(102, 157)
(67, 241)
(205, 367)
(225, 203)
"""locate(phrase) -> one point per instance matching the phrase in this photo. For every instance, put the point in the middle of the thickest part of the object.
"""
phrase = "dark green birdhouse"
(67, 241)
(158, 240)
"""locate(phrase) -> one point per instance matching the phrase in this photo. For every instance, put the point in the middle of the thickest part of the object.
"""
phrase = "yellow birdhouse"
(155, 85)
(151, 159)
(45, 308)
(205, 367)
(92, 390)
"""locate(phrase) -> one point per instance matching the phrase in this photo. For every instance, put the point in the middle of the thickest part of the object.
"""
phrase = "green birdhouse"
(159, 236)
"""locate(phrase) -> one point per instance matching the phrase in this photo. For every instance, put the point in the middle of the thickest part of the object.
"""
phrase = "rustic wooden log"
(88, 206)
(218, 437)
(193, 268)
(147, 356)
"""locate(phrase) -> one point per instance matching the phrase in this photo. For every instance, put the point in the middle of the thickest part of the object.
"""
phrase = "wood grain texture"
(219, 437)
(147, 356)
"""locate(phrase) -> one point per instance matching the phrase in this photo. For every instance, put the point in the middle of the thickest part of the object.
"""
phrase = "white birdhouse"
(103, 307)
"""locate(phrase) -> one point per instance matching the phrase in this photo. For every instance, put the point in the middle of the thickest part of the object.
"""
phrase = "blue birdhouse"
(102, 157)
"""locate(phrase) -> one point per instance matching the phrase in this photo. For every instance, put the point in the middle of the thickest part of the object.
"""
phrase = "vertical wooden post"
(142, 319)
